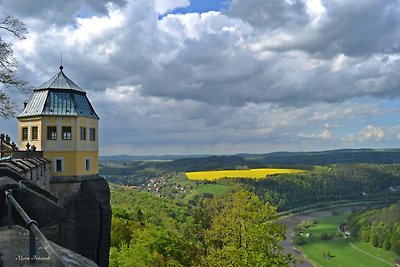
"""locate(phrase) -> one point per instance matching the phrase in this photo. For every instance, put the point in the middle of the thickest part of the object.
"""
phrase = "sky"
(222, 76)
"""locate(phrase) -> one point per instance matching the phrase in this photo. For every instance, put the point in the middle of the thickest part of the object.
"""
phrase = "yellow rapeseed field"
(251, 173)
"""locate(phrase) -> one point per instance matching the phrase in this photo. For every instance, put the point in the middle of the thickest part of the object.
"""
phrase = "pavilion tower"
(59, 120)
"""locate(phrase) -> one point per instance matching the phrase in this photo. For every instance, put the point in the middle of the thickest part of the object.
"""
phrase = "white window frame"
(37, 133)
(23, 137)
(66, 135)
(55, 164)
(52, 136)
(92, 134)
(90, 164)
(82, 133)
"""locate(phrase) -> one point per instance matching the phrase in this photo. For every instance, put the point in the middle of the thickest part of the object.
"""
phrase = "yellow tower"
(59, 120)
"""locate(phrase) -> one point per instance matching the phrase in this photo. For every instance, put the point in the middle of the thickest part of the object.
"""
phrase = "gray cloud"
(59, 12)
(217, 59)
(356, 29)
(270, 14)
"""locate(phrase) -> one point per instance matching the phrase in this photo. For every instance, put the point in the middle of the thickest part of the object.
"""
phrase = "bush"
(298, 239)
(327, 235)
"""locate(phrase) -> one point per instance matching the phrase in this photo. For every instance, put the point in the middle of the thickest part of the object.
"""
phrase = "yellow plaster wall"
(73, 152)
(87, 145)
(32, 122)
(81, 163)
(74, 162)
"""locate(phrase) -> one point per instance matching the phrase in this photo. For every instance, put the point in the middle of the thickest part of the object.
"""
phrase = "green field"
(251, 173)
(343, 254)
(214, 189)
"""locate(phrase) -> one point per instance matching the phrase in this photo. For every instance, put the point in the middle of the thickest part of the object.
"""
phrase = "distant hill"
(150, 157)
(333, 157)
(294, 158)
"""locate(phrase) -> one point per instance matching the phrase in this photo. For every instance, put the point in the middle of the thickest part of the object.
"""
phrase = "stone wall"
(35, 170)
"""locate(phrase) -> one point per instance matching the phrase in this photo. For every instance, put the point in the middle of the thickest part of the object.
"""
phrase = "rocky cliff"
(75, 214)
(86, 229)
(15, 251)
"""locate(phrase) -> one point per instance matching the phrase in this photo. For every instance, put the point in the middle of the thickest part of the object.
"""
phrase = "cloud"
(323, 135)
(42, 13)
(146, 122)
(261, 72)
(222, 58)
(270, 14)
(163, 6)
(369, 132)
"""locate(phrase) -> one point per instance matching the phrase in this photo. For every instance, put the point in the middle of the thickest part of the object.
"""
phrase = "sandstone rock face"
(86, 229)
(14, 247)
(39, 204)
(75, 214)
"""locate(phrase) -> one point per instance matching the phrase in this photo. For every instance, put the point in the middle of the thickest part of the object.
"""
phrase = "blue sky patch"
(201, 6)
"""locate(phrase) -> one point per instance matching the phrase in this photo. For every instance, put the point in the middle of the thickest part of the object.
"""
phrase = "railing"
(34, 232)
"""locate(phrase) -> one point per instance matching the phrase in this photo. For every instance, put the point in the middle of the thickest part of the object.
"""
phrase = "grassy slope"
(215, 189)
(344, 254)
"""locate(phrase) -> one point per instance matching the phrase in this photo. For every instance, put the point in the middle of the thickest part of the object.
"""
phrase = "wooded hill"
(301, 158)
(339, 182)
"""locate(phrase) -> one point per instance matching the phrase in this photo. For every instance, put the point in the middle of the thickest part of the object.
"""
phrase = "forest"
(235, 230)
(339, 182)
(160, 218)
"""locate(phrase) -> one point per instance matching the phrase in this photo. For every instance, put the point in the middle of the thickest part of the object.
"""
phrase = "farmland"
(251, 173)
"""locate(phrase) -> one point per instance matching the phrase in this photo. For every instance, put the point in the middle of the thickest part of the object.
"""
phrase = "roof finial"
(61, 66)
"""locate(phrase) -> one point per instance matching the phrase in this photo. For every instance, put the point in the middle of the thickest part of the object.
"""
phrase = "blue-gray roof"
(59, 96)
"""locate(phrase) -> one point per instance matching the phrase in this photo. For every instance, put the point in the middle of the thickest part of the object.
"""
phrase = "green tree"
(396, 247)
(121, 230)
(375, 239)
(244, 232)
(386, 244)
(8, 64)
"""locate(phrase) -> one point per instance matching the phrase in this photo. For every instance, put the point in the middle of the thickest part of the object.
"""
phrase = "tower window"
(24, 133)
(87, 164)
(35, 133)
(83, 133)
(59, 165)
(92, 134)
(66, 133)
(52, 133)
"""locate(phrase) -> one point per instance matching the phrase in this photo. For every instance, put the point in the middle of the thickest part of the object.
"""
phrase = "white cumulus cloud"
(164, 6)
(368, 133)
